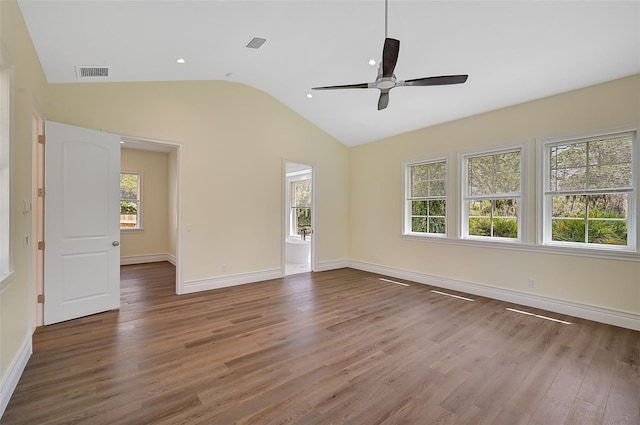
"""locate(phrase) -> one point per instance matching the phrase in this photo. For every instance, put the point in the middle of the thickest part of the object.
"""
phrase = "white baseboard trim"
(323, 266)
(619, 318)
(231, 280)
(14, 372)
(150, 258)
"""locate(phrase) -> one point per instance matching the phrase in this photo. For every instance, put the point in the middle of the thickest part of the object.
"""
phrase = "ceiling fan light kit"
(387, 80)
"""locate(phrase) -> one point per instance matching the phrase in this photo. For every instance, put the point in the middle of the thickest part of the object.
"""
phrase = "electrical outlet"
(532, 283)
(223, 268)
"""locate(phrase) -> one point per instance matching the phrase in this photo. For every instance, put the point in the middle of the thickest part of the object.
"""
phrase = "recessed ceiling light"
(372, 62)
(309, 95)
(122, 142)
(180, 60)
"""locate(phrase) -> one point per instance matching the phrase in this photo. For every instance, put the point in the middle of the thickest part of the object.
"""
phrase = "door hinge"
(41, 246)
(41, 192)
(41, 299)
(41, 139)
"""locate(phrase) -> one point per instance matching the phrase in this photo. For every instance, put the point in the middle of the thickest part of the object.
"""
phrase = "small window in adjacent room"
(491, 207)
(426, 198)
(589, 192)
(300, 218)
(130, 196)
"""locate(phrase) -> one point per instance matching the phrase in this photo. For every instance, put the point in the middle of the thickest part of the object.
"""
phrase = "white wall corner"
(230, 280)
(619, 318)
(151, 258)
(323, 266)
(14, 372)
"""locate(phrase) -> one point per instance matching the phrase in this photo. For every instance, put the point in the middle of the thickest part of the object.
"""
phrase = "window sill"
(298, 238)
(519, 246)
(131, 230)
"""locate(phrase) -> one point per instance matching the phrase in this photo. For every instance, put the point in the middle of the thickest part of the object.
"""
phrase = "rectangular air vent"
(84, 71)
(256, 42)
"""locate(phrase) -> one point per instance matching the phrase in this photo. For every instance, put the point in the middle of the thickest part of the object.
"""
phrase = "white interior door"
(82, 224)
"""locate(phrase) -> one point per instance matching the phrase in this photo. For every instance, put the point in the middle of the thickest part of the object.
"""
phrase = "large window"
(5, 191)
(491, 201)
(300, 217)
(130, 205)
(589, 192)
(426, 198)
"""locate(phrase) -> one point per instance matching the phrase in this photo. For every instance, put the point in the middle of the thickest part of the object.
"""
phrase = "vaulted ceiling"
(513, 51)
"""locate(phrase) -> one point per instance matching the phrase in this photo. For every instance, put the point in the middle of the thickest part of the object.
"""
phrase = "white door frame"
(180, 155)
(314, 223)
(37, 214)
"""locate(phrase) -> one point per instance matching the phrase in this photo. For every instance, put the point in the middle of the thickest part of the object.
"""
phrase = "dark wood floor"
(339, 347)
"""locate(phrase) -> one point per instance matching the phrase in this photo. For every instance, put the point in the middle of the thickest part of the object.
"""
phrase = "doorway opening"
(299, 215)
(172, 151)
(153, 237)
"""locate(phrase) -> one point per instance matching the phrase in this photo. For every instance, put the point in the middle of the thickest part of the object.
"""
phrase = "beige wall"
(154, 236)
(16, 305)
(376, 194)
(234, 138)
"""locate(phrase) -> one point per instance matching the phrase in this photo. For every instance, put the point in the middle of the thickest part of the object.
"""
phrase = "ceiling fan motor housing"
(386, 83)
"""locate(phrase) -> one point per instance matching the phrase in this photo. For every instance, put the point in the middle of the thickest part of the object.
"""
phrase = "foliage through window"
(300, 206)
(492, 194)
(426, 198)
(589, 190)
(130, 184)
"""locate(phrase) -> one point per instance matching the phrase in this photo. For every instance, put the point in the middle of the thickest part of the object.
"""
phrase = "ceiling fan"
(387, 80)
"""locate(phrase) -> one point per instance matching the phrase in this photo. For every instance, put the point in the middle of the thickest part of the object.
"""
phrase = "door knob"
(115, 243)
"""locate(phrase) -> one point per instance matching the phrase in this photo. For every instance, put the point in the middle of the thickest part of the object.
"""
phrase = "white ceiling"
(513, 51)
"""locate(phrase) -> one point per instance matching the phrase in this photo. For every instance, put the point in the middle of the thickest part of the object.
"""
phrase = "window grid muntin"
(468, 198)
(295, 209)
(588, 166)
(631, 191)
(137, 200)
(410, 199)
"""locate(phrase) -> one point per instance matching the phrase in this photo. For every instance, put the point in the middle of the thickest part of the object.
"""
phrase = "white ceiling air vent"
(255, 43)
(92, 71)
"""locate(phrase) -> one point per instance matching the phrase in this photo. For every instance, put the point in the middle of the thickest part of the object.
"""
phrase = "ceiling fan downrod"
(386, 18)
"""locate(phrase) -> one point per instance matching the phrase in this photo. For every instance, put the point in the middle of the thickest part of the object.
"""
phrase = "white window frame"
(406, 204)
(545, 204)
(6, 103)
(140, 207)
(291, 178)
(463, 224)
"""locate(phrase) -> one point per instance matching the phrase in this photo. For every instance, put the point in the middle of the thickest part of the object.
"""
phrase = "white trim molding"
(197, 285)
(148, 258)
(323, 266)
(609, 316)
(14, 372)
(542, 249)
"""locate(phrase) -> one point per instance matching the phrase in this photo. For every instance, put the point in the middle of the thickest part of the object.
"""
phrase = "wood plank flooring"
(339, 347)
